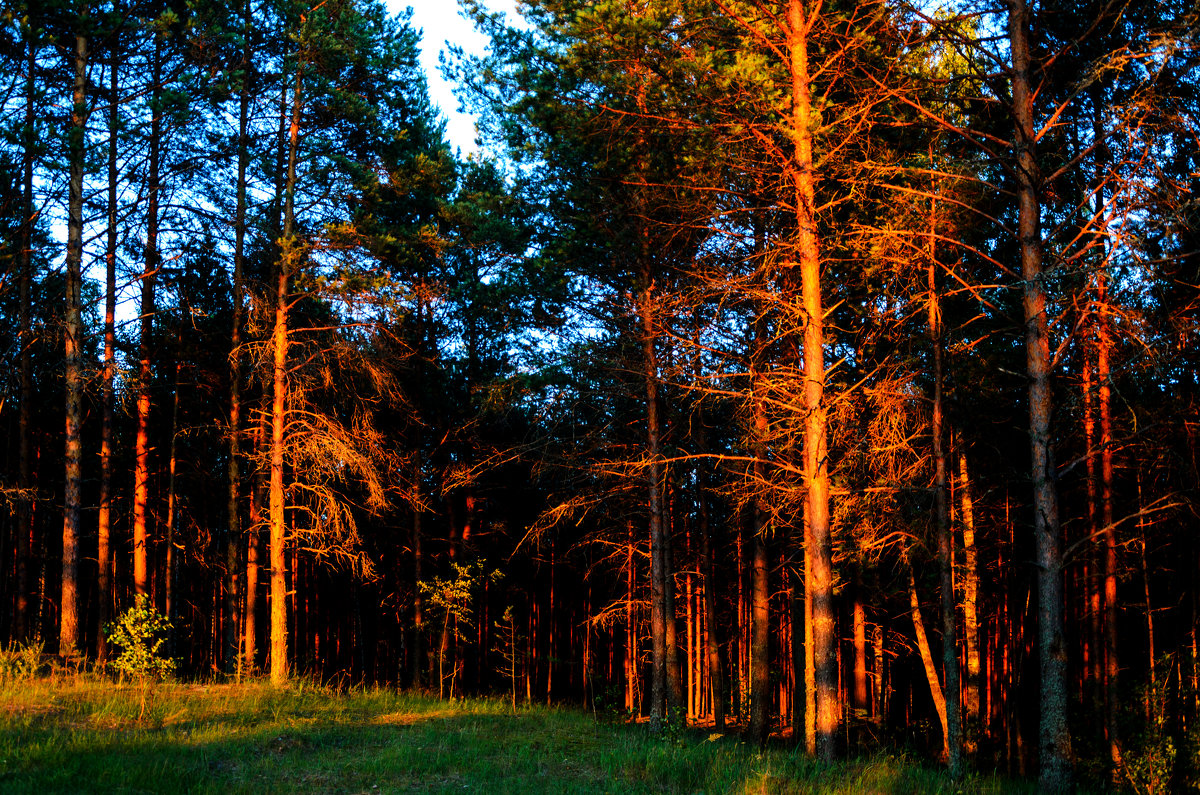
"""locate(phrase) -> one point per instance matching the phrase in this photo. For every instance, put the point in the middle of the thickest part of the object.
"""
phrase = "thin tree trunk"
(631, 652)
(760, 674)
(1055, 737)
(860, 702)
(970, 605)
(676, 711)
(816, 461)
(418, 644)
(1153, 698)
(716, 679)
(141, 470)
(24, 517)
(659, 578)
(254, 534)
(68, 638)
(234, 537)
(760, 694)
(931, 675)
(1093, 583)
(104, 521)
(951, 721)
(1111, 654)
(169, 574)
(879, 706)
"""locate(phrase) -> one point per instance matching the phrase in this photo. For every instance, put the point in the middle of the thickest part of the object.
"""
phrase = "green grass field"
(89, 735)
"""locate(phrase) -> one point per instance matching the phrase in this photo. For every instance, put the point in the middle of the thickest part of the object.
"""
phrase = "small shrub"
(140, 633)
(20, 662)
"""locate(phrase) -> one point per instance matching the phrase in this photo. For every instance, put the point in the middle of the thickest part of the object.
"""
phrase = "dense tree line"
(818, 370)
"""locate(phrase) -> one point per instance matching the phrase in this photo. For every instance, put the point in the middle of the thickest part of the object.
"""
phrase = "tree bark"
(25, 337)
(104, 520)
(290, 254)
(250, 625)
(970, 605)
(234, 537)
(760, 590)
(1054, 736)
(860, 703)
(169, 573)
(1111, 655)
(931, 675)
(141, 470)
(951, 722)
(658, 574)
(68, 638)
(760, 628)
(816, 462)
(709, 590)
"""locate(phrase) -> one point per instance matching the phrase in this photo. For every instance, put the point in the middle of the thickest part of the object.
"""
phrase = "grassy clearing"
(93, 736)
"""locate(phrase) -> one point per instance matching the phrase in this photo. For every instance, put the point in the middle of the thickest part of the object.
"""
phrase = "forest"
(814, 370)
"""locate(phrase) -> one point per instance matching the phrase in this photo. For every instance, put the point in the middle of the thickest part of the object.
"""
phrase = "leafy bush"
(20, 661)
(140, 633)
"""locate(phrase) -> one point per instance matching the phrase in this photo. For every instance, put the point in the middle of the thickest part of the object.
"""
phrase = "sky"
(441, 22)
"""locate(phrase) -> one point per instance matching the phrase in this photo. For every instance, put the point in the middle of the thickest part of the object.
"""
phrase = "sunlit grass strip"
(86, 736)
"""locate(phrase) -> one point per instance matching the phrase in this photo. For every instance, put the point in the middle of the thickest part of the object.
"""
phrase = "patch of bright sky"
(441, 24)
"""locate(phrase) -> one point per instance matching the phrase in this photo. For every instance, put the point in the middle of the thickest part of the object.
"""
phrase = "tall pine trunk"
(819, 571)
(760, 591)
(104, 521)
(289, 256)
(1054, 740)
(141, 469)
(25, 337)
(68, 637)
(659, 578)
(234, 538)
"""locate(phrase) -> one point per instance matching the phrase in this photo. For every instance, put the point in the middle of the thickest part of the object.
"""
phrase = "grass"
(85, 735)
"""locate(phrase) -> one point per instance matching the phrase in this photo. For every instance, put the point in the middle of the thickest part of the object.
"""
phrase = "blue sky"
(441, 22)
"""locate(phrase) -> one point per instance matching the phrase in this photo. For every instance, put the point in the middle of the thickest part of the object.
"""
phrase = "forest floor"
(92, 735)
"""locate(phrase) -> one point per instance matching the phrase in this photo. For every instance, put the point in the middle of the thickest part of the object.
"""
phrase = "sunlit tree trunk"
(971, 705)
(68, 638)
(141, 469)
(860, 701)
(708, 589)
(291, 252)
(1111, 655)
(931, 675)
(810, 659)
(1055, 739)
(816, 461)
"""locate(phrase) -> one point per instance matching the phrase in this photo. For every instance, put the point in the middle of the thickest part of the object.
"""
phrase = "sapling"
(140, 633)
